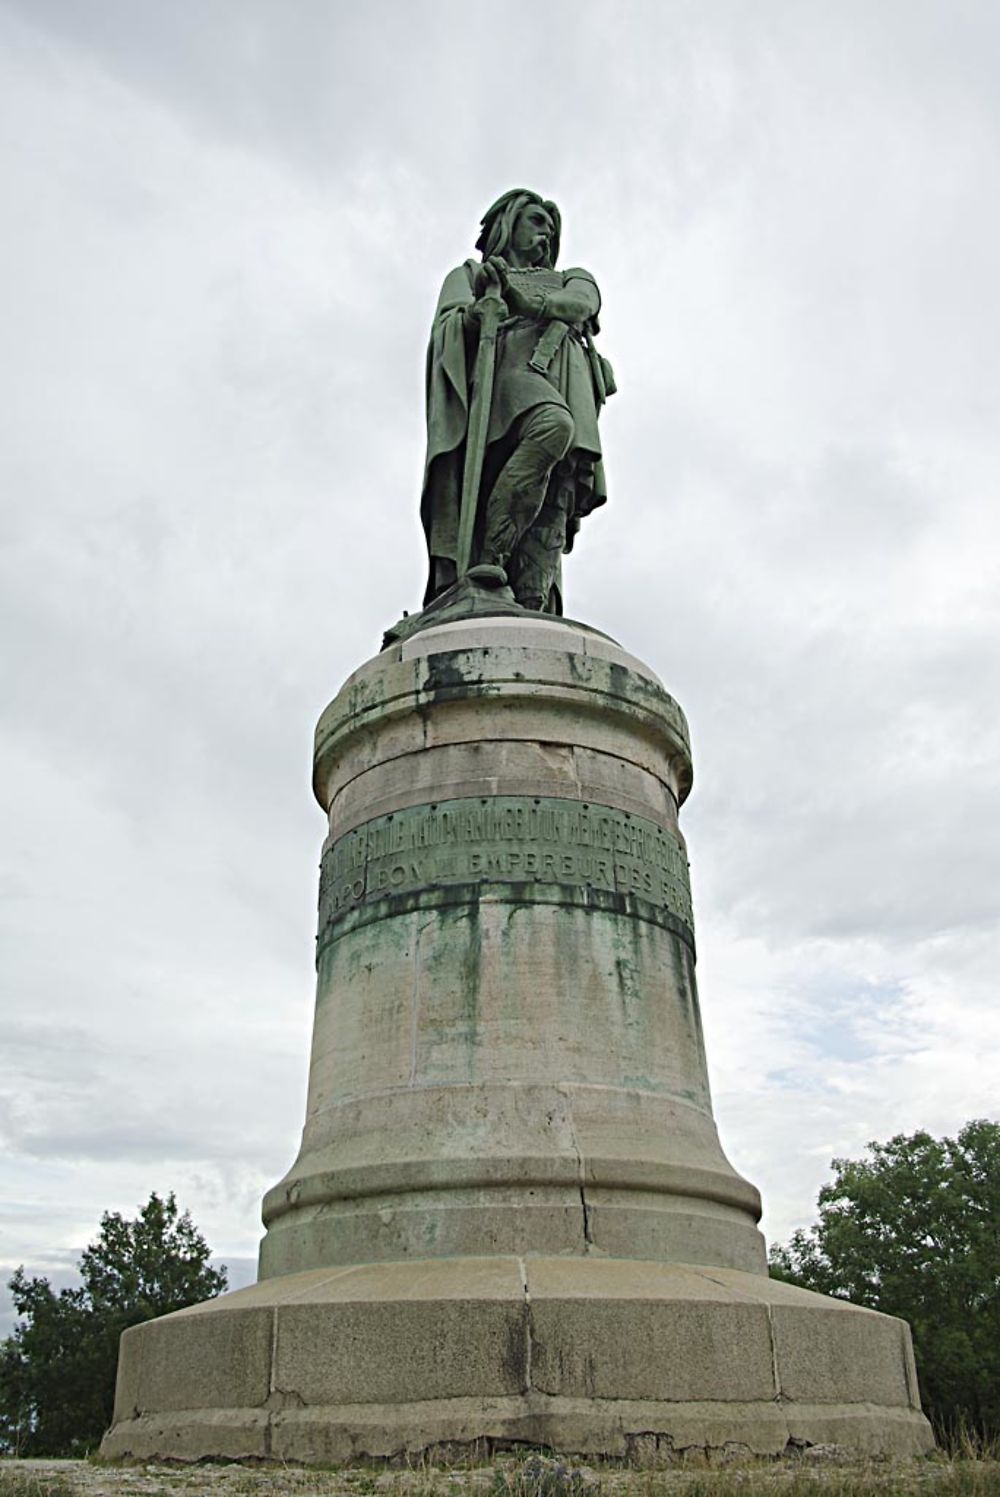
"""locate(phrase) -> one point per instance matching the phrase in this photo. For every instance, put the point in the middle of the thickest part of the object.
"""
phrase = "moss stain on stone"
(448, 670)
(467, 929)
(687, 993)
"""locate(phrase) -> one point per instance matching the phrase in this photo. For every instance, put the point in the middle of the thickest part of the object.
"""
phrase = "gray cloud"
(226, 229)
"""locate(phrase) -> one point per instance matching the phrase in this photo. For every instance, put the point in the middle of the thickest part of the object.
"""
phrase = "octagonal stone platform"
(596, 1357)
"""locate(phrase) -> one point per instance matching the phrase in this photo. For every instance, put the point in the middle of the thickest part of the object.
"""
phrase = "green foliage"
(914, 1230)
(57, 1370)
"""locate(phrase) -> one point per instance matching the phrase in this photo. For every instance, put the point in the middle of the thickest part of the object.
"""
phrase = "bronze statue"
(514, 388)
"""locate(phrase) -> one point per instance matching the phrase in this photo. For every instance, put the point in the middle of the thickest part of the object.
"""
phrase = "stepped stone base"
(587, 1356)
(511, 1218)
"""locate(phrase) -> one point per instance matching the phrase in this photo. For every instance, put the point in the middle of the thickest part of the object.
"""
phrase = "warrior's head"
(522, 227)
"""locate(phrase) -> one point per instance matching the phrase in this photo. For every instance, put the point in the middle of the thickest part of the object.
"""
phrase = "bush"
(57, 1370)
(914, 1230)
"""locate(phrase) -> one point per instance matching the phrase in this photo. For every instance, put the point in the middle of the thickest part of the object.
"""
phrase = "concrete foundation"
(511, 1217)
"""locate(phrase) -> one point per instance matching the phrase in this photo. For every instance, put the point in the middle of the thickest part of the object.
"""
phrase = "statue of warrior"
(514, 388)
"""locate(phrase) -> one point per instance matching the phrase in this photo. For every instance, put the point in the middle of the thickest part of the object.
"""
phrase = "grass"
(20, 1483)
(527, 1475)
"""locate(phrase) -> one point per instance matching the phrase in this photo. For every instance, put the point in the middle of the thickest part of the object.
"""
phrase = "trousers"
(526, 514)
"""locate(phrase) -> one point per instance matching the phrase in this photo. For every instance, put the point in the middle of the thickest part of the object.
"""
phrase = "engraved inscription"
(506, 839)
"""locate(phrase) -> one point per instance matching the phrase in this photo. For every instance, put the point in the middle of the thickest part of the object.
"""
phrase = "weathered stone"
(588, 1355)
(224, 1357)
(511, 1217)
(507, 1022)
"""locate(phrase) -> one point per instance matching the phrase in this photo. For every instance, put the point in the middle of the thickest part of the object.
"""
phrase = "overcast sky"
(225, 227)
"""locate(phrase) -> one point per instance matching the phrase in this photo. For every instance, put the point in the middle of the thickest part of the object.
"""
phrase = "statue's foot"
(487, 575)
(481, 591)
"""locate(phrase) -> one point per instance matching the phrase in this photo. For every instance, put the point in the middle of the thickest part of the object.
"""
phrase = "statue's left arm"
(578, 302)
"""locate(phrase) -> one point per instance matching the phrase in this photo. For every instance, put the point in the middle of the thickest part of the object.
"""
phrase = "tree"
(57, 1370)
(914, 1230)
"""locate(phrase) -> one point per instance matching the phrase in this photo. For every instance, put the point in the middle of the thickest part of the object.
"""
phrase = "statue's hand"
(489, 278)
(526, 303)
(487, 289)
(498, 265)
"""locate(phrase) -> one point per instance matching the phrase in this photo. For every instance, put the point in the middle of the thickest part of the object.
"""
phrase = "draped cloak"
(569, 382)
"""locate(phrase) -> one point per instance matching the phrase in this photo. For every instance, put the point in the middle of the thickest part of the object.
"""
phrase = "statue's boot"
(535, 564)
(487, 575)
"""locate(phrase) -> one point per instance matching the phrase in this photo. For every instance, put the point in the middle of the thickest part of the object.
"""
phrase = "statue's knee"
(551, 426)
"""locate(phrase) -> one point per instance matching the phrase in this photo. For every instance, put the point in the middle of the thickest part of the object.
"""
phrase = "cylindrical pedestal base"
(507, 1054)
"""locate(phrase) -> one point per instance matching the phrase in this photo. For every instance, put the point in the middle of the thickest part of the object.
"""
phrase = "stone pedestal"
(511, 1217)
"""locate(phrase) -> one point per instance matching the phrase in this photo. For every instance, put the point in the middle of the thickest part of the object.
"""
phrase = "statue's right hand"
(486, 281)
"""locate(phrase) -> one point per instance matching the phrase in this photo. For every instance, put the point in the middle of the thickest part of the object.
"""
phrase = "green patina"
(471, 934)
(514, 387)
(453, 671)
(597, 902)
(524, 843)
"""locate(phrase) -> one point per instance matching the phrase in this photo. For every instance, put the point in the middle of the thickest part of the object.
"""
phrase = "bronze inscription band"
(506, 839)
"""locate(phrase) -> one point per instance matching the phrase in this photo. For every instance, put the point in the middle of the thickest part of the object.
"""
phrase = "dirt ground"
(822, 1472)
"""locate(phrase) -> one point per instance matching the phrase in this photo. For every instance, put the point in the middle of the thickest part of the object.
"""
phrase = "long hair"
(497, 227)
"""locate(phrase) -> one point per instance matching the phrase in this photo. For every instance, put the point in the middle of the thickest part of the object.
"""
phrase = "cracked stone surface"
(586, 1354)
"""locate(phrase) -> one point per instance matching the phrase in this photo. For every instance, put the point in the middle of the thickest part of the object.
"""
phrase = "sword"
(479, 422)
